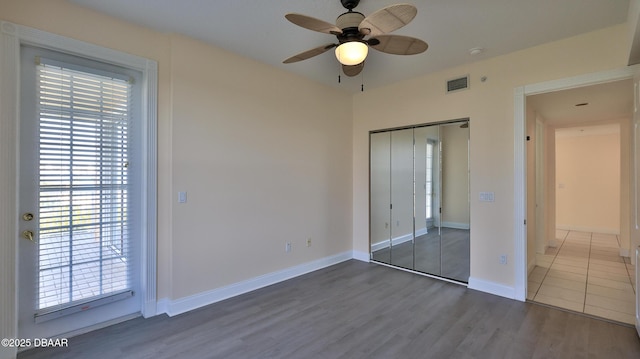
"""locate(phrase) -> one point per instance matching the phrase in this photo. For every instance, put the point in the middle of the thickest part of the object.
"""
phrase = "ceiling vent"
(458, 84)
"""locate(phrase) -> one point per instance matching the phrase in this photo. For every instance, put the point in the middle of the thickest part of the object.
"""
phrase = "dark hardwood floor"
(359, 310)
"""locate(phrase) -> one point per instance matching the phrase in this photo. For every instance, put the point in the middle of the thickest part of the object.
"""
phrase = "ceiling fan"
(356, 33)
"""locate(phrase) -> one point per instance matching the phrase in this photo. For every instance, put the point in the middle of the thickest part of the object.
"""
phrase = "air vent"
(458, 84)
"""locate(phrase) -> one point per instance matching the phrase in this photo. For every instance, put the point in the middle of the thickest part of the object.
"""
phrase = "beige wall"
(588, 183)
(261, 153)
(531, 187)
(263, 157)
(490, 106)
(455, 177)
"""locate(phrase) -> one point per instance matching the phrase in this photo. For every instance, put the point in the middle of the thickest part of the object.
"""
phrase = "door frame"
(520, 160)
(12, 36)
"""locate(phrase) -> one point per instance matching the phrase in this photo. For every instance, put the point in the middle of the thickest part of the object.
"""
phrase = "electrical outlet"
(309, 242)
(503, 259)
(287, 247)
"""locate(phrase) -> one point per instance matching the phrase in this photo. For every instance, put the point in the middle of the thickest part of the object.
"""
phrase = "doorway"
(578, 169)
(15, 224)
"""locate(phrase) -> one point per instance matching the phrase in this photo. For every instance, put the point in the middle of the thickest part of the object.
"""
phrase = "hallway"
(586, 274)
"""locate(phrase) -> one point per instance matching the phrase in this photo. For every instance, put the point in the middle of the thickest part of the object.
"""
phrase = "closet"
(419, 198)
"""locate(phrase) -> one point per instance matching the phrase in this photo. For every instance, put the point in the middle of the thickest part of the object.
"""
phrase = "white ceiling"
(606, 102)
(258, 30)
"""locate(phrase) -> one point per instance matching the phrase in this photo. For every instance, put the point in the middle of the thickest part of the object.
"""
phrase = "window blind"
(84, 248)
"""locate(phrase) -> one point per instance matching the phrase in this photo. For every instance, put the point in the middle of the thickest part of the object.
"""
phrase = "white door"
(79, 252)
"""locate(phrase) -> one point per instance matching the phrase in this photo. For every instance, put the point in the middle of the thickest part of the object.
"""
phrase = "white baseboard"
(530, 266)
(422, 231)
(492, 288)
(602, 230)
(624, 252)
(397, 240)
(182, 305)
(456, 225)
(361, 256)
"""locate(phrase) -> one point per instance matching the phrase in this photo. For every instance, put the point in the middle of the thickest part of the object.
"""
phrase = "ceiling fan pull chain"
(362, 81)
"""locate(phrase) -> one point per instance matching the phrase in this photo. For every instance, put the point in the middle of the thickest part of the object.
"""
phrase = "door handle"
(28, 235)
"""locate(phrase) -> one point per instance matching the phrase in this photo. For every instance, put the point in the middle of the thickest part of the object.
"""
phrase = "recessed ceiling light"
(476, 51)
(582, 104)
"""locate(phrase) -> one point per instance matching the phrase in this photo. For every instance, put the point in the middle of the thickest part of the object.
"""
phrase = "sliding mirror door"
(427, 190)
(402, 198)
(380, 196)
(454, 229)
(419, 215)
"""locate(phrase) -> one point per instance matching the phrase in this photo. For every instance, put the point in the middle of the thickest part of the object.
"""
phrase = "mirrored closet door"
(419, 198)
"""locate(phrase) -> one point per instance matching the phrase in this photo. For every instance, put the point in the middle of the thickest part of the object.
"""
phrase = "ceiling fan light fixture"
(352, 52)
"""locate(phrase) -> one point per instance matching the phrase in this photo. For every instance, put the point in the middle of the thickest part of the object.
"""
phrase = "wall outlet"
(287, 247)
(309, 242)
(503, 259)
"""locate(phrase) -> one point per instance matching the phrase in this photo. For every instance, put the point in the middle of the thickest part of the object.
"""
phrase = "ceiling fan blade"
(387, 19)
(309, 53)
(353, 70)
(312, 23)
(398, 45)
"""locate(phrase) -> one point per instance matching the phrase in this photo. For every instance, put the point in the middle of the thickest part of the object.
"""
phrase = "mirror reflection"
(419, 198)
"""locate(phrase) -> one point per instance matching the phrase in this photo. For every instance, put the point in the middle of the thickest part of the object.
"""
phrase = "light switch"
(487, 196)
(182, 197)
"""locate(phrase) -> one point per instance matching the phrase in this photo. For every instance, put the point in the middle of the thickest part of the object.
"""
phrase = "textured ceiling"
(258, 30)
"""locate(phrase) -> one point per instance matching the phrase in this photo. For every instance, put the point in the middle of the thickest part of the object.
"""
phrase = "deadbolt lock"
(27, 216)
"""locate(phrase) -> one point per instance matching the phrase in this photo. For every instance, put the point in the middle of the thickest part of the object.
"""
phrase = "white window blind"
(429, 180)
(84, 211)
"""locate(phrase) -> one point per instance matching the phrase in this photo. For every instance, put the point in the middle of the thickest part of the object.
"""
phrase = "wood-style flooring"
(359, 310)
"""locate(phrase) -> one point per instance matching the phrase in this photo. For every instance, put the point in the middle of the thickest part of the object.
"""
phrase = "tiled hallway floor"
(585, 273)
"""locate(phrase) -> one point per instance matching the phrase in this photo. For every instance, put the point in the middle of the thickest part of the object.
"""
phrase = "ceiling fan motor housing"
(350, 4)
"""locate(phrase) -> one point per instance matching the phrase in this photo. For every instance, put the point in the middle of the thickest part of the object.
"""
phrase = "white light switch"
(487, 196)
(182, 197)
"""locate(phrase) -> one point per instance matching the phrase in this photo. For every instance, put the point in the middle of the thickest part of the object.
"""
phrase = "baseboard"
(566, 227)
(397, 240)
(492, 288)
(456, 225)
(163, 306)
(361, 256)
(183, 305)
(530, 266)
(421, 232)
(624, 252)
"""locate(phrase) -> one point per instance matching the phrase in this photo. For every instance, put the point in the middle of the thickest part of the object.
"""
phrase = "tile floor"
(586, 274)
(95, 269)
